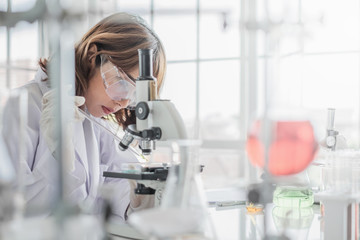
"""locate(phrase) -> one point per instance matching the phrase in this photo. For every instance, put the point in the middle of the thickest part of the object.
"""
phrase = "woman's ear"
(91, 54)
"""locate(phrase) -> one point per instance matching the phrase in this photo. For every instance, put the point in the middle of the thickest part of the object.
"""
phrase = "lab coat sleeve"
(11, 124)
(111, 160)
(32, 177)
(38, 168)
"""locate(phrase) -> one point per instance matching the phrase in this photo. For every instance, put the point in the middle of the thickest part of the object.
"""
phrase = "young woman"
(106, 66)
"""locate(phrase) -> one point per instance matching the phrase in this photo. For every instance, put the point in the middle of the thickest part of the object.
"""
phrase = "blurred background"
(204, 44)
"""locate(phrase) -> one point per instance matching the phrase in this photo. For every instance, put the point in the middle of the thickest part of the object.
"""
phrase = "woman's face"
(97, 101)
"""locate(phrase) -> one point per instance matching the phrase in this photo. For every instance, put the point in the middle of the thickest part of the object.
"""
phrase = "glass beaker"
(340, 188)
(341, 172)
(293, 196)
(293, 223)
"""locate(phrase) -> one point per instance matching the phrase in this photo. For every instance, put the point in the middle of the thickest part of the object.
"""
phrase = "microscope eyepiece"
(146, 64)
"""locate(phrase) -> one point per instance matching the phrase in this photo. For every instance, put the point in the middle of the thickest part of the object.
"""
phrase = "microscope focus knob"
(153, 134)
(142, 110)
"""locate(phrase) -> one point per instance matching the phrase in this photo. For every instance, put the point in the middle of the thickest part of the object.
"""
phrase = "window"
(317, 65)
(18, 48)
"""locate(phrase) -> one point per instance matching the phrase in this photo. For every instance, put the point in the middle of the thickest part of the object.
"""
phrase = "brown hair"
(120, 36)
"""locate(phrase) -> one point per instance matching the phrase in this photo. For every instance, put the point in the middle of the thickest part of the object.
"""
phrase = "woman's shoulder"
(34, 96)
(36, 87)
(33, 91)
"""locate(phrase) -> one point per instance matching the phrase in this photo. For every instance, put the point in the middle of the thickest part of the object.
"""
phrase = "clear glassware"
(183, 212)
(293, 222)
(291, 146)
(284, 148)
(293, 196)
(255, 223)
(341, 172)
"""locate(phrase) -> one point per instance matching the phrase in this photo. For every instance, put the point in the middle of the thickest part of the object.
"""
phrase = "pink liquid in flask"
(291, 149)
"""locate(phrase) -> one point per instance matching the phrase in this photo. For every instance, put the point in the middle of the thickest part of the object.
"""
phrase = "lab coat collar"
(92, 158)
(80, 146)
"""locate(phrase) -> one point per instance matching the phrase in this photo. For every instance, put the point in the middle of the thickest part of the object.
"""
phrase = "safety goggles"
(118, 85)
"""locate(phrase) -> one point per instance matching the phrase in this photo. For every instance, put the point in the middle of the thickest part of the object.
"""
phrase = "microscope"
(156, 120)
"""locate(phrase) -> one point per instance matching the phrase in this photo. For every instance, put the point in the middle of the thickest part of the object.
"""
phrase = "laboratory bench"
(230, 216)
(234, 223)
(232, 220)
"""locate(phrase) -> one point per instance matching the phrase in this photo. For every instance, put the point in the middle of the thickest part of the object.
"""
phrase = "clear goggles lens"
(118, 85)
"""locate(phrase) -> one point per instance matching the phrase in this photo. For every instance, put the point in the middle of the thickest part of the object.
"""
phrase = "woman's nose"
(122, 103)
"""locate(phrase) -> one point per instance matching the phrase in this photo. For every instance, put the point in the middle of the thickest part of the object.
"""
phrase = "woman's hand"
(139, 201)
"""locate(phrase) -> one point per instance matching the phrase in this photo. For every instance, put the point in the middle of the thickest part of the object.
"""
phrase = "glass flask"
(183, 211)
(291, 146)
(284, 149)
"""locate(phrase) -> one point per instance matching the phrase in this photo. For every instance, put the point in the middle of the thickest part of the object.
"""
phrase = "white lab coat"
(95, 151)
